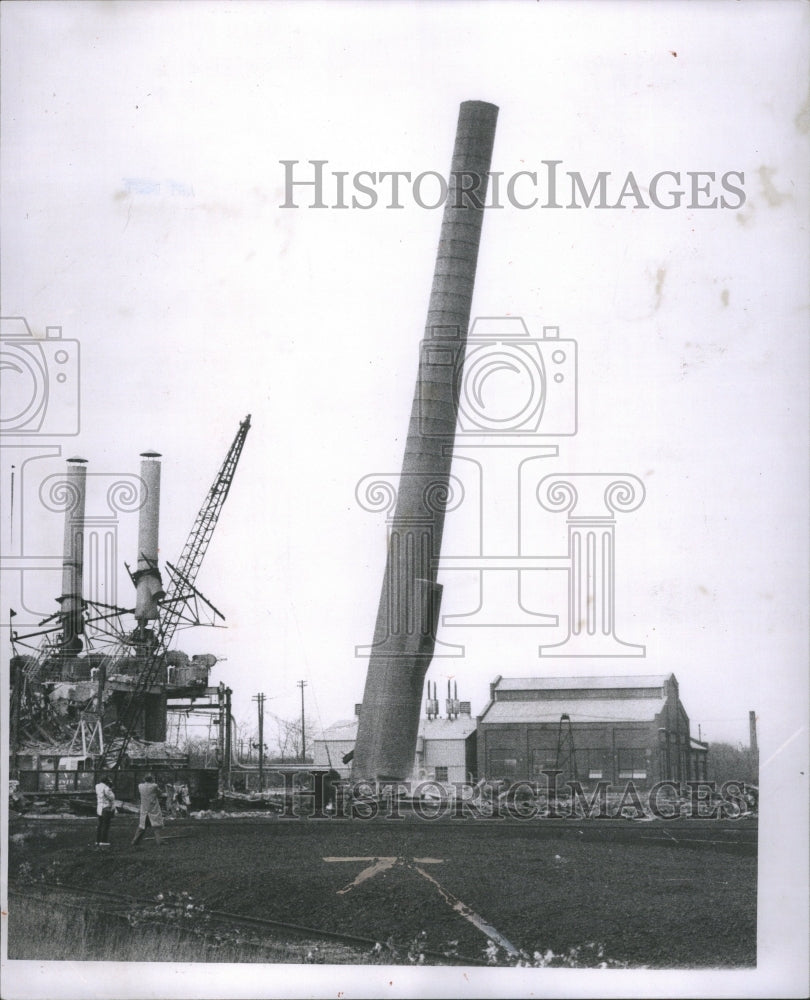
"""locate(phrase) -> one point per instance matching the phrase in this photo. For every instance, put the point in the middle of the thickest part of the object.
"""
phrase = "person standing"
(151, 814)
(105, 810)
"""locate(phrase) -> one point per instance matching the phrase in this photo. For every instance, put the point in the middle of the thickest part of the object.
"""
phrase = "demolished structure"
(92, 693)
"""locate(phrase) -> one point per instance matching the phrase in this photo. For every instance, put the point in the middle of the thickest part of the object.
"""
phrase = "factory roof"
(577, 709)
(576, 683)
(431, 729)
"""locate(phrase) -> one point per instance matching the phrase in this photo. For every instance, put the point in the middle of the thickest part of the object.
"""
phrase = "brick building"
(592, 728)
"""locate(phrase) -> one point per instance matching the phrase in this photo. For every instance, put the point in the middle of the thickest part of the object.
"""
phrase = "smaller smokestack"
(73, 555)
(148, 584)
(432, 704)
(450, 705)
(752, 730)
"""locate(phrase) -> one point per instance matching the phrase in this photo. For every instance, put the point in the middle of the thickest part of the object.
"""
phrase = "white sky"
(204, 301)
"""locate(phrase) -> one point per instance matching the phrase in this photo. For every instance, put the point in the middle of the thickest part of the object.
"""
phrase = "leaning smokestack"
(73, 555)
(405, 633)
(148, 584)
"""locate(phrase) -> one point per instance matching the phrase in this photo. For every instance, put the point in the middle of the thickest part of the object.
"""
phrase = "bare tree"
(729, 762)
(287, 744)
(200, 752)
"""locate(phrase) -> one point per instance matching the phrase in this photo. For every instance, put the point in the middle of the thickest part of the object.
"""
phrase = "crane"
(183, 575)
(180, 595)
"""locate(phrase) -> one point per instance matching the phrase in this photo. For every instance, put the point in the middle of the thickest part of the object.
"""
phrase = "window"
(632, 764)
(543, 759)
(502, 763)
(440, 773)
(593, 764)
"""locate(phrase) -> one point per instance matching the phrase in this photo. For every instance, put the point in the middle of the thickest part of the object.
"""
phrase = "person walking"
(105, 810)
(151, 814)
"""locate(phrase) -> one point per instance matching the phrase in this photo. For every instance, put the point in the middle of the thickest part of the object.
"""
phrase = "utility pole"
(259, 699)
(302, 685)
(228, 745)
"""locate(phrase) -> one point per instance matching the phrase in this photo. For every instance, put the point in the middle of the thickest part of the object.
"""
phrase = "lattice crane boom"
(179, 591)
(199, 537)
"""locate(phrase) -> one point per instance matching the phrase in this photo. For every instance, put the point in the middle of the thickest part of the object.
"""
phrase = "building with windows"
(591, 728)
(445, 748)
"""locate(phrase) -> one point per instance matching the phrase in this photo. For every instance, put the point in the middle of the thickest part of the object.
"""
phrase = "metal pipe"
(71, 602)
(407, 618)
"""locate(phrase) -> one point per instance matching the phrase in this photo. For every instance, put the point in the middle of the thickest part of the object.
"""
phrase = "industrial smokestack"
(148, 584)
(407, 618)
(752, 732)
(73, 555)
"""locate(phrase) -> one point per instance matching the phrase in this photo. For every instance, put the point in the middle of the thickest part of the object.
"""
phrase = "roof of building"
(577, 709)
(431, 729)
(577, 683)
(345, 729)
(447, 729)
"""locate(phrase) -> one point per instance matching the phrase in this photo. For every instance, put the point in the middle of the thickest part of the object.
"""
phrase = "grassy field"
(499, 893)
(64, 931)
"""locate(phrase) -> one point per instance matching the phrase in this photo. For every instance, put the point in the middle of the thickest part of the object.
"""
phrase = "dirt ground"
(448, 886)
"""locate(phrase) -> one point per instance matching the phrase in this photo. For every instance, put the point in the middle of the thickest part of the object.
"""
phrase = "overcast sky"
(141, 193)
